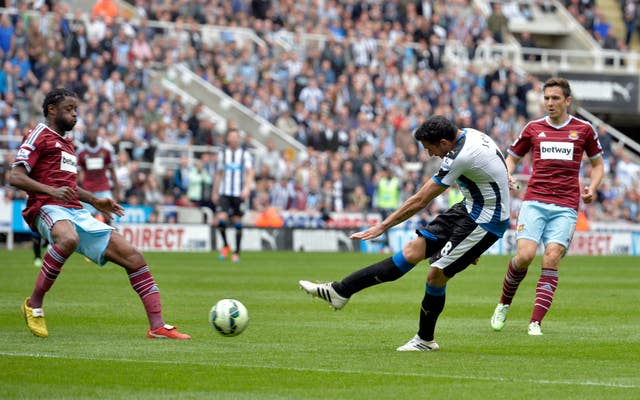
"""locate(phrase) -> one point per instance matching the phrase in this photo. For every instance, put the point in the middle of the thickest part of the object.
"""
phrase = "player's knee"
(554, 253)
(237, 225)
(414, 251)
(436, 277)
(136, 258)
(524, 258)
(68, 242)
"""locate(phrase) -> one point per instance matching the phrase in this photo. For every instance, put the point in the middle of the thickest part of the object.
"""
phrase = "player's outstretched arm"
(410, 207)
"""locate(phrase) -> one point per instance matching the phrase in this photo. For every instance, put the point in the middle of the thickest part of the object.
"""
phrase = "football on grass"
(229, 317)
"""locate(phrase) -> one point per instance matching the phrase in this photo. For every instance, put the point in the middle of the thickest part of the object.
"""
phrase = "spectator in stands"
(36, 43)
(327, 200)
(271, 159)
(601, 26)
(497, 23)
(280, 194)
(181, 176)
(631, 204)
(20, 40)
(435, 53)
(114, 86)
(96, 28)
(140, 49)
(77, 42)
(9, 120)
(286, 123)
(311, 96)
(627, 172)
(314, 195)
(7, 30)
(305, 170)
(630, 17)
(368, 182)
(122, 174)
(138, 185)
(108, 9)
(5, 168)
(527, 41)
(350, 180)
(184, 136)
(200, 184)
(358, 200)
(605, 141)
(152, 193)
(534, 99)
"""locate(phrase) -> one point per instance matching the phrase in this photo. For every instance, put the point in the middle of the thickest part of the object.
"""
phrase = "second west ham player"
(549, 212)
(96, 170)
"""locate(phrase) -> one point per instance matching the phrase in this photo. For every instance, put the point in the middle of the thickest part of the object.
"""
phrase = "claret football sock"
(511, 282)
(545, 290)
(144, 284)
(51, 267)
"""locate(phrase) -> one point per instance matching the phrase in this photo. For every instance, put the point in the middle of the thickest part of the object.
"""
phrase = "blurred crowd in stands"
(353, 102)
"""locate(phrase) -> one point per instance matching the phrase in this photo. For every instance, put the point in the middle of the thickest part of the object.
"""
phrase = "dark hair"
(559, 82)
(435, 128)
(54, 97)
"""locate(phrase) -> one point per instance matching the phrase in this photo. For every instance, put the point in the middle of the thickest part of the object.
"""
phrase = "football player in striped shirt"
(454, 240)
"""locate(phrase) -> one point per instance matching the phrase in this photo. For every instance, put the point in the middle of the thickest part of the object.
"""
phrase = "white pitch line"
(301, 369)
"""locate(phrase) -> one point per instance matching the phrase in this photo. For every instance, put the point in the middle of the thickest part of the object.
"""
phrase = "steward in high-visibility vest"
(388, 199)
(388, 192)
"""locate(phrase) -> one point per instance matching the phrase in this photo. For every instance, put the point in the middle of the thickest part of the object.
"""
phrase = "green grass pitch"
(296, 347)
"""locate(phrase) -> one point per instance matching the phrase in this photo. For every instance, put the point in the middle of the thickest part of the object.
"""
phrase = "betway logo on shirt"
(94, 163)
(556, 151)
(68, 162)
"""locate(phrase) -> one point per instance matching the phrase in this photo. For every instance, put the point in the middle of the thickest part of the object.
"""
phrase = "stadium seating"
(181, 83)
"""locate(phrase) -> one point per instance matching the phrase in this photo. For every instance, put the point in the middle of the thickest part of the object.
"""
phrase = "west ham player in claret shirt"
(549, 212)
(46, 168)
(96, 170)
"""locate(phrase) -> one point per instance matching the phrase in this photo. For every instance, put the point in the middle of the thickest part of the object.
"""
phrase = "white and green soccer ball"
(229, 317)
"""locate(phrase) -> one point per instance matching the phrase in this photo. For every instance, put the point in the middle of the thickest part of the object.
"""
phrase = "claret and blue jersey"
(556, 154)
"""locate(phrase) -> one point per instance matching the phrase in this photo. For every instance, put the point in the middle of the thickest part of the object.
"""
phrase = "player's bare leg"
(121, 252)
